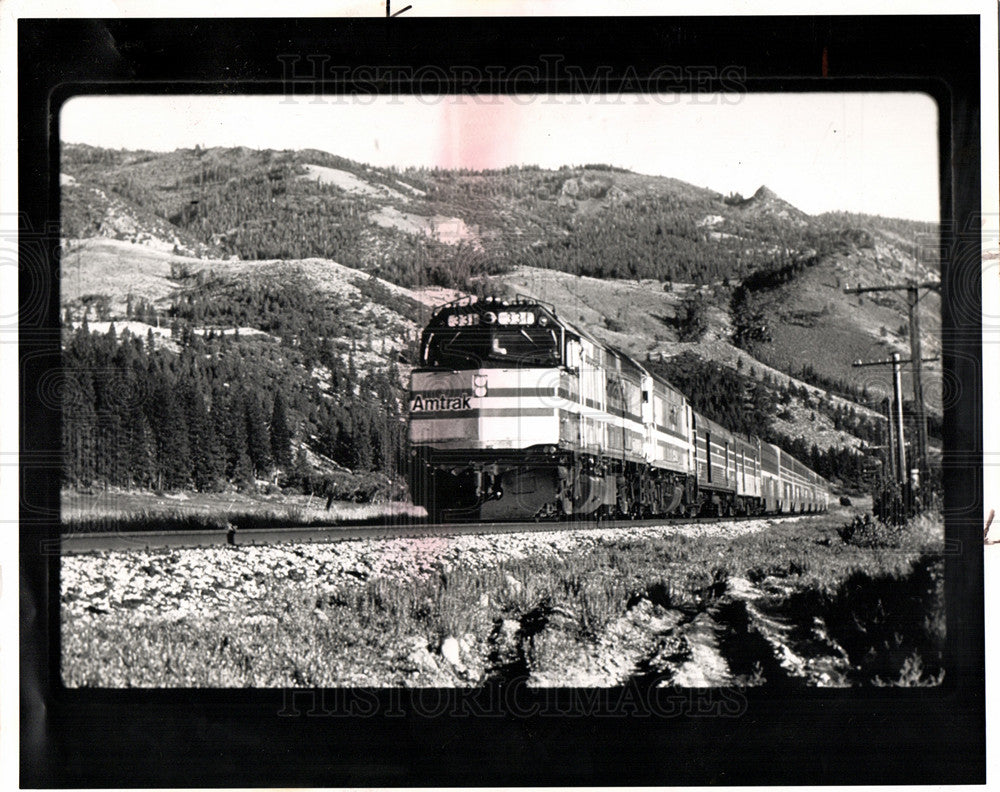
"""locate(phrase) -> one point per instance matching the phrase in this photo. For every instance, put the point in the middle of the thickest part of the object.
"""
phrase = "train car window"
(633, 397)
(457, 348)
(573, 352)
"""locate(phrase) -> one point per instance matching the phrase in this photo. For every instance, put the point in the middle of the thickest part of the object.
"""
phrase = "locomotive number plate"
(463, 320)
(515, 318)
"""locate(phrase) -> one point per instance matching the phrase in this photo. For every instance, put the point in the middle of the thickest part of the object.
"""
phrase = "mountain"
(767, 202)
(211, 238)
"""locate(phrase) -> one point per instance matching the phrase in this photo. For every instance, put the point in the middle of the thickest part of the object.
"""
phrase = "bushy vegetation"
(890, 623)
(692, 318)
(865, 531)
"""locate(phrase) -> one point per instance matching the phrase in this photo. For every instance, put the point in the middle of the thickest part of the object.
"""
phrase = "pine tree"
(141, 449)
(258, 439)
(170, 427)
(79, 424)
(229, 416)
(360, 455)
(207, 458)
(300, 472)
(281, 435)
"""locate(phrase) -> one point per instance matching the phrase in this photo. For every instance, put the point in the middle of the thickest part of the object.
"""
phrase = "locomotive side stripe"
(498, 393)
(505, 393)
(671, 432)
(436, 392)
(485, 412)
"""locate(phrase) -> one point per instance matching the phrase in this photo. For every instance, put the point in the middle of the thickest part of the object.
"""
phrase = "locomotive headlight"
(489, 318)
(543, 320)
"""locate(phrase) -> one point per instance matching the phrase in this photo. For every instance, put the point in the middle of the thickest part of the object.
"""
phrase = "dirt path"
(740, 638)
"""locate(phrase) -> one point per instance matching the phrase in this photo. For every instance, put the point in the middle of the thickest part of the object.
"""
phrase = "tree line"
(222, 411)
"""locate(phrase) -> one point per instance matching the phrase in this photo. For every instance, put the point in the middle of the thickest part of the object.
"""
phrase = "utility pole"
(890, 448)
(912, 299)
(897, 455)
(912, 290)
(897, 396)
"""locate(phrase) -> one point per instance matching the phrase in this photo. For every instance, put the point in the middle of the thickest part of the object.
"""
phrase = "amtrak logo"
(441, 403)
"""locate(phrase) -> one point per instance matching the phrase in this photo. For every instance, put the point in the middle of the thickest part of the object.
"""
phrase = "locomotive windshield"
(507, 347)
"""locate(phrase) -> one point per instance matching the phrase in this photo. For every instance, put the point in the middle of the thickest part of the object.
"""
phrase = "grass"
(147, 511)
(890, 624)
(883, 605)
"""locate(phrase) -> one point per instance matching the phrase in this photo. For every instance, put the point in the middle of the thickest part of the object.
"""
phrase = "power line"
(913, 295)
(896, 457)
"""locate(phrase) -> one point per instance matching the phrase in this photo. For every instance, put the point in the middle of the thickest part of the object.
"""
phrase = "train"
(515, 414)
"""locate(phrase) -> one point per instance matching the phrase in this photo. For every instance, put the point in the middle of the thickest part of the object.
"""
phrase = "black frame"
(85, 738)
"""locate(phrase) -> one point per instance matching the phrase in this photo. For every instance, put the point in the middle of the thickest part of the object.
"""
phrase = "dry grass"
(147, 511)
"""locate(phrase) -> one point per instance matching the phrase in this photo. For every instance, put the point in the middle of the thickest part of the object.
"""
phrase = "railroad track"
(71, 544)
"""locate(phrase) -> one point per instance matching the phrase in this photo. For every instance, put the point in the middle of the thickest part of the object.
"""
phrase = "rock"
(706, 667)
(742, 588)
(420, 656)
(451, 651)
(508, 629)
(515, 585)
(571, 187)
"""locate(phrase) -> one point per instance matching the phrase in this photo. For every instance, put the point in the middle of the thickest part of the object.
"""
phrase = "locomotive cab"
(485, 428)
(504, 339)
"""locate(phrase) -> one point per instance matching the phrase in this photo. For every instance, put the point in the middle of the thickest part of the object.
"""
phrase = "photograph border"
(361, 737)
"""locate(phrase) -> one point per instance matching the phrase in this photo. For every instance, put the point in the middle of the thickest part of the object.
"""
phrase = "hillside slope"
(331, 263)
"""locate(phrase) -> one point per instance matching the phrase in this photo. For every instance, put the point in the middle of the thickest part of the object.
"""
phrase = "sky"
(872, 153)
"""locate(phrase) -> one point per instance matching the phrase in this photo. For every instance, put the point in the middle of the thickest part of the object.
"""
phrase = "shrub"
(912, 674)
(864, 531)
(692, 318)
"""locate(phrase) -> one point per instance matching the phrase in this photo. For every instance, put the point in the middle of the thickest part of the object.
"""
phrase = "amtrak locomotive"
(516, 414)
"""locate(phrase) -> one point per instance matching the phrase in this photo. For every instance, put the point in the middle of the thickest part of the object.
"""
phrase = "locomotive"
(515, 414)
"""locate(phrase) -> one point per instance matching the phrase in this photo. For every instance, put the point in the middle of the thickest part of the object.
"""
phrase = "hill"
(322, 267)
